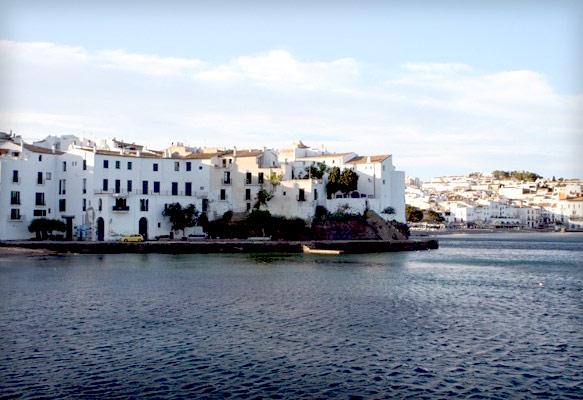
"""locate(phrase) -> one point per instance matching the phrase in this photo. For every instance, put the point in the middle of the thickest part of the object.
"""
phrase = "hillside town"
(498, 200)
(103, 190)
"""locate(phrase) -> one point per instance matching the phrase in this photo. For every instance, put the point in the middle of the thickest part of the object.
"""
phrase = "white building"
(112, 188)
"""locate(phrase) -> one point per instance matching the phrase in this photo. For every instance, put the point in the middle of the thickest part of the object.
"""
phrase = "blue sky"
(495, 85)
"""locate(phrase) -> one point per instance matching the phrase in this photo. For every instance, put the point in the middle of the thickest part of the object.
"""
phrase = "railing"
(152, 192)
(121, 208)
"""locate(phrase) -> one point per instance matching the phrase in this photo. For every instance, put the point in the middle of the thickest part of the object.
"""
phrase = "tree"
(43, 227)
(432, 216)
(389, 211)
(275, 179)
(333, 184)
(258, 221)
(413, 214)
(316, 171)
(263, 196)
(181, 217)
(348, 181)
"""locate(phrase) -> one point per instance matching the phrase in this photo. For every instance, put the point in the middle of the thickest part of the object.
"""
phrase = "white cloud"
(434, 117)
(147, 64)
(278, 67)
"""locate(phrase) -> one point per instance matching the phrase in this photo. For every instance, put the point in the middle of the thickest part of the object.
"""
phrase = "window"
(248, 206)
(62, 205)
(84, 165)
(40, 157)
(84, 185)
(39, 213)
(227, 178)
(143, 204)
(129, 186)
(117, 164)
(39, 178)
(224, 163)
(15, 214)
(62, 188)
(248, 178)
(174, 188)
(117, 186)
(144, 187)
(200, 167)
(260, 178)
(105, 163)
(40, 199)
(15, 176)
(315, 194)
(121, 205)
(105, 185)
(15, 198)
(155, 167)
(188, 166)
(247, 194)
(100, 205)
(205, 205)
(223, 194)
(176, 166)
(48, 176)
(64, 166)
(188, 188)
(15, 153)
(129, 165)
(302, 195)
(383, 181)
(156, 187)
(84, 204)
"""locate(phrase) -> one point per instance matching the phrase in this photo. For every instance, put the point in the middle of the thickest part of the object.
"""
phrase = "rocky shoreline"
(211, 246)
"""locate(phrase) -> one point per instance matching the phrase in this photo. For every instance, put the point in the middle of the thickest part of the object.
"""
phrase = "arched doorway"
(143, 227)
(100, 229)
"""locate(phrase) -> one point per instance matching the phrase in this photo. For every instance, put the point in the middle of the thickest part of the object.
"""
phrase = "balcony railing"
(121, 208)
(194, 193)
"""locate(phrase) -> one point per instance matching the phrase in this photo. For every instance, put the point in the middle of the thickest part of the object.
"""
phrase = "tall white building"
(114, 188)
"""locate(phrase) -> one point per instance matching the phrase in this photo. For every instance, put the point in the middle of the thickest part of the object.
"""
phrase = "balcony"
(120, 208)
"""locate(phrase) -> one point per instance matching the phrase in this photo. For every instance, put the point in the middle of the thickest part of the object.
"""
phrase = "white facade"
(119, 188)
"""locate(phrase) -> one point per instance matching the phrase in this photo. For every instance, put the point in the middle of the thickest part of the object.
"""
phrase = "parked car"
(132, 238)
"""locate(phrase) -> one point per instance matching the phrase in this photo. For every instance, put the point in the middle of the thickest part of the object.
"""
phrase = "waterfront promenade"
(221, 246)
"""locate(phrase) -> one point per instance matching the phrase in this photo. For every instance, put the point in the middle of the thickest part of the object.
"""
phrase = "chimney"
(368, 159)
(53, 149)
(21, 145)
(235, 151)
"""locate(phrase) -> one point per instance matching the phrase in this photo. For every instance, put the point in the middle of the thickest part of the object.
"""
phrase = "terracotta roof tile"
(38, 149)
(364, 159)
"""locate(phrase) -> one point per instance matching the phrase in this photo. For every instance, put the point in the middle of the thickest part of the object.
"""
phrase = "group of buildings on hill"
(484, 201)
(110, 188)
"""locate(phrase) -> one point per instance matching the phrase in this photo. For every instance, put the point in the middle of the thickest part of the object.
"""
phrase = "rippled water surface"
(493, 316)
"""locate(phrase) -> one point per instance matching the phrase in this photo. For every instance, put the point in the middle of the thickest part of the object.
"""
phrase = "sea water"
(485, 316)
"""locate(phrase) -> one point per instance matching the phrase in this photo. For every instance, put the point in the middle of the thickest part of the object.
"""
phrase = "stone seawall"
(224, 246)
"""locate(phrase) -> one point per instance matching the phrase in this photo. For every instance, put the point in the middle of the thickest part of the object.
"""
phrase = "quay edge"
(224, 246)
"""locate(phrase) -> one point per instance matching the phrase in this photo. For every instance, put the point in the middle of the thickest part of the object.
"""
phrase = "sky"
(446, 87)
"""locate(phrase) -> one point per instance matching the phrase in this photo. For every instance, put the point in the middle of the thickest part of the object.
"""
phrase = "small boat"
(309, 250)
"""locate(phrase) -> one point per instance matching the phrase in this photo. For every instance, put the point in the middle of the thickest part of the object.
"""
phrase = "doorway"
(100, 229)
(143, 227)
